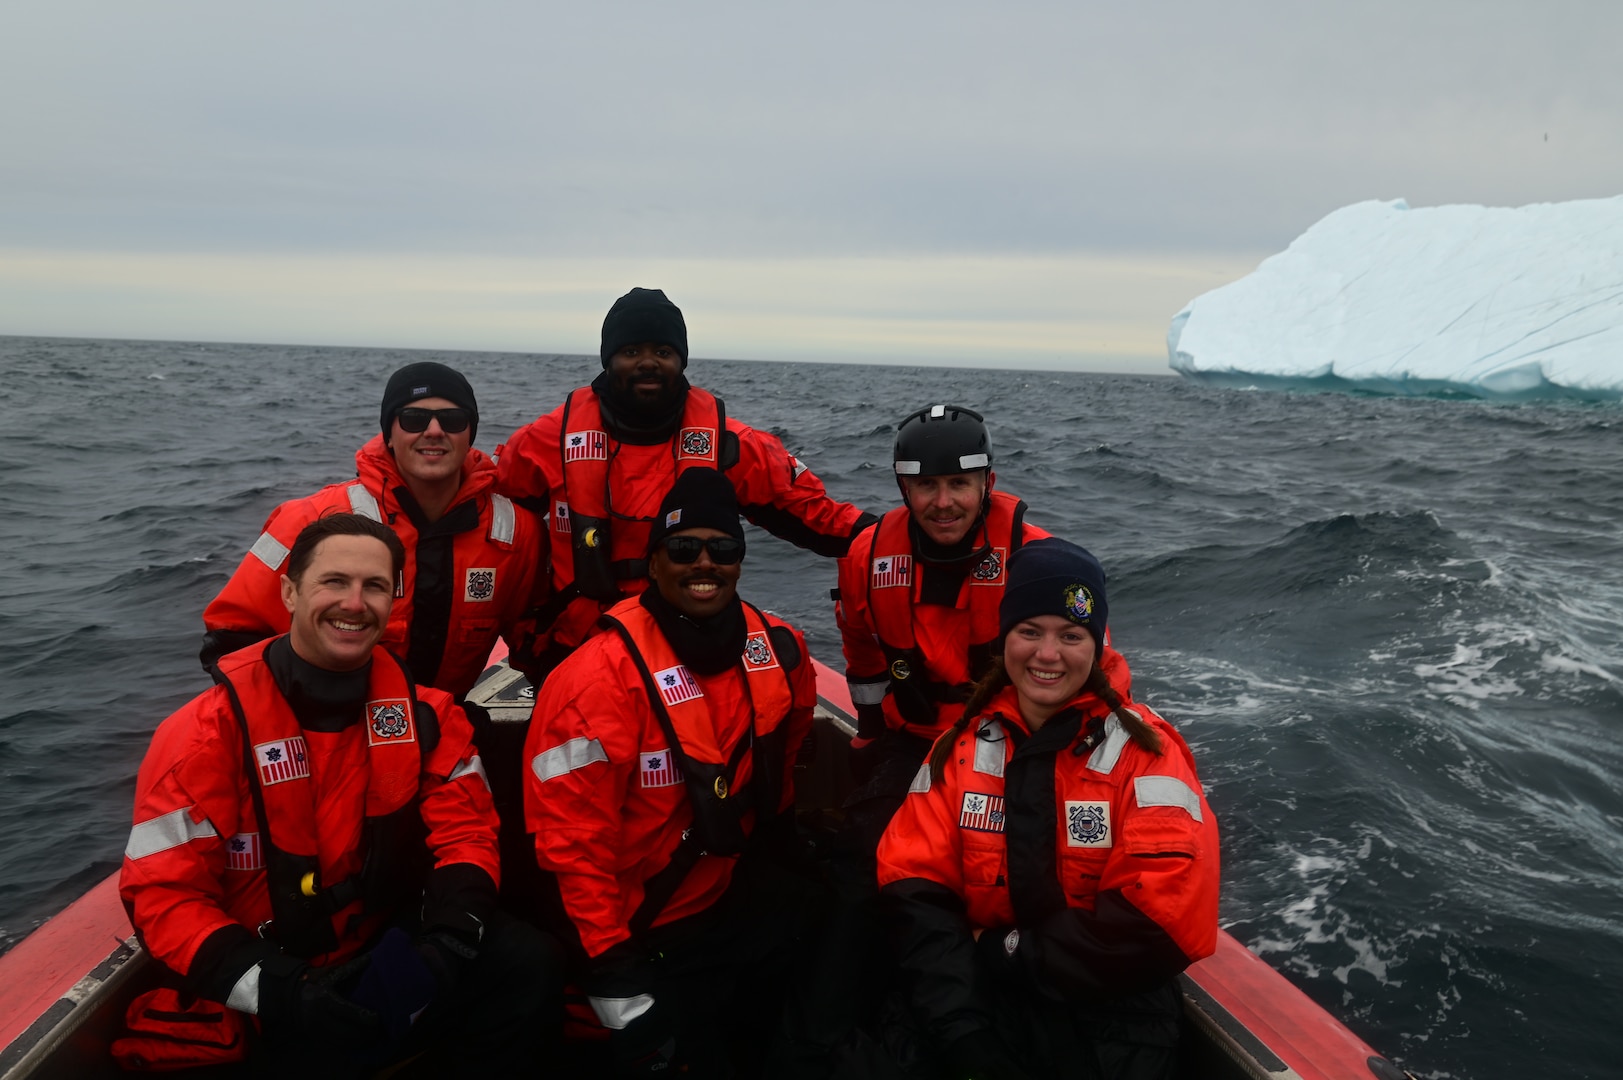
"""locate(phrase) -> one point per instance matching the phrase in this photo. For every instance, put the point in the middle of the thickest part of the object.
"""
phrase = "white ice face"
(1489, 300)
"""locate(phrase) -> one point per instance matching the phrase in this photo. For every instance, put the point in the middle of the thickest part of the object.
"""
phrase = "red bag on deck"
(166, 1029)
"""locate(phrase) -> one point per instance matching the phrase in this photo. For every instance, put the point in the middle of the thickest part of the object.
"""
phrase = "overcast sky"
(1016, 183)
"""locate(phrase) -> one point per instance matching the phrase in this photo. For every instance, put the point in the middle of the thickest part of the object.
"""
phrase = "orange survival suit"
(601, 486)
(210, 845)
(913, 659)
(1089, 863)
(468, 577)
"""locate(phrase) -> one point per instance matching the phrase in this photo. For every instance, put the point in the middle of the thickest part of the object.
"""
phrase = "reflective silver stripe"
(907, 468)
(937, 411)
(1167, 791)
(1103, 758)
(244, 996)
(616, 1013)
(921, 780)
(502, 519)
(867, 693)
(989, 751)
(269, 550)
(572, 755)
(974, 461)
(170, 831)
(474, 766)
(361, 502)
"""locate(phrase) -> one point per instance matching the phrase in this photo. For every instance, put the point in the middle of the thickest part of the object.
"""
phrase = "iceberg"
(1491, 302)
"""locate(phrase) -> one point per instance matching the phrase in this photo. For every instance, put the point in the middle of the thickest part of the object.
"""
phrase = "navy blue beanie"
(644, 315)
(1054, 577)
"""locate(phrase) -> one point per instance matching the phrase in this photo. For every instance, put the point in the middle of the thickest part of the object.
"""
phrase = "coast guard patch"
(892, 570)
(282, 760)
(676, 685)
(586, 446)
(990, 570)
(481, 584)
(696, 443)
(758, 653)
(560, 517)
(1087, 824)
(388, 721)
(981, 812)
(242, 852)
(658, 769)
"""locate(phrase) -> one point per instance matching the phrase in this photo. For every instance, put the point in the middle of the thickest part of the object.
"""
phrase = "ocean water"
(1392, 630)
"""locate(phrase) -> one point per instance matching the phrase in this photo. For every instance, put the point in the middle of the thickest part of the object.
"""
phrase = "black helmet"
(940, 440)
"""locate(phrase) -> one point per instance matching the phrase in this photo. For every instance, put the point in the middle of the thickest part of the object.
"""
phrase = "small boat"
(64, 988)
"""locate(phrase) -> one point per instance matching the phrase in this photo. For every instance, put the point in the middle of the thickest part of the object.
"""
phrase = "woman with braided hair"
(1055, 864)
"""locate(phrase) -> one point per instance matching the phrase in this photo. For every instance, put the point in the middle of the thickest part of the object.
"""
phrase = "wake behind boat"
(64, 989)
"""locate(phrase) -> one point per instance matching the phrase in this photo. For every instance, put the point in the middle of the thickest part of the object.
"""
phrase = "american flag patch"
(560, 517)
(242, 852)
(892, 570)
(676, 685)
(285, 759)
(981, 812)
(658, 769)
(586, 446)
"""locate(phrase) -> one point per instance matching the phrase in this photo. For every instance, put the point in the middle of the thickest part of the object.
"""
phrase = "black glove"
(646, 1045)
(458, 900)
(312, 1003)
(981, 1055)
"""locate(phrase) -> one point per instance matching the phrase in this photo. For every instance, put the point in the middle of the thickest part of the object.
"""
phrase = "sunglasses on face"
(724, 550)
(413, 419)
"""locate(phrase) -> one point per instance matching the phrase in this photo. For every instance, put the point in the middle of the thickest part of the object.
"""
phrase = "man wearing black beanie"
(471, 555)
(659, 788)
(599, 464)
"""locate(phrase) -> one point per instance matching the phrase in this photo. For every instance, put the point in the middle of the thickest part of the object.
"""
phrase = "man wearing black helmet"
(470, 569)
(599, 464)
(918, 600)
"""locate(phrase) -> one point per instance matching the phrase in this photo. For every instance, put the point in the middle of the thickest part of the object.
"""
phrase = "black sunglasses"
(413, 419)
(724, 550)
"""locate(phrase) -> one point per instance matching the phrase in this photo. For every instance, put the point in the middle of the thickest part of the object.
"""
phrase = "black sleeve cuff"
(459, 899)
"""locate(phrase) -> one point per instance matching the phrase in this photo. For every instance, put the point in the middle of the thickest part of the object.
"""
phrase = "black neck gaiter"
(706, 646)
(321, 700)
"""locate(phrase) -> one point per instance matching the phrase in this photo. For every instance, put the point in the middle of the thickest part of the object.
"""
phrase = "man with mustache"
(659, 792)
(599, 464)
(470, 571)
(315, 846)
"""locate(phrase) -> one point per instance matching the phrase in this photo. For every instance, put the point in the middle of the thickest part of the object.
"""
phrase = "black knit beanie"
(644, 315)
(702, 498)
(1054, 577)
(427, 379)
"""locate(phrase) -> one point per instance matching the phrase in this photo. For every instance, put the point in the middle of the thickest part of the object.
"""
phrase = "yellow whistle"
(307, 884)
(721, 787)
(589, 538)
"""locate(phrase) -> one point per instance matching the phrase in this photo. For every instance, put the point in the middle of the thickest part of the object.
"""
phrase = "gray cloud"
(749, 129)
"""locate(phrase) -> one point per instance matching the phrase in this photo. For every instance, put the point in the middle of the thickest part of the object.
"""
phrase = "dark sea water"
(1392, 630)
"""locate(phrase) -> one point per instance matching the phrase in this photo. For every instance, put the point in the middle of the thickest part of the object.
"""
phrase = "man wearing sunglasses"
(599, 464)
(471, 555)
(659, 791)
